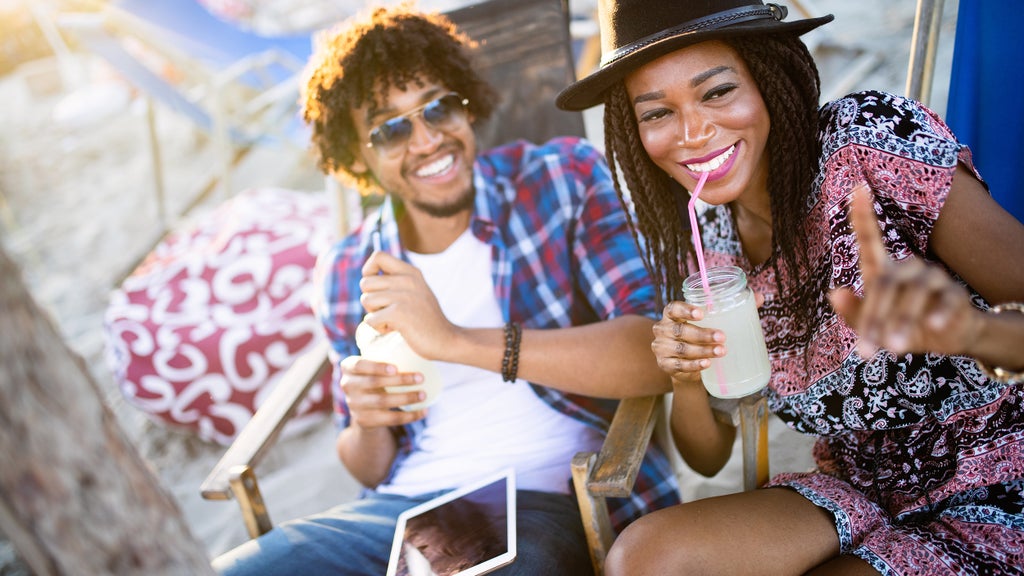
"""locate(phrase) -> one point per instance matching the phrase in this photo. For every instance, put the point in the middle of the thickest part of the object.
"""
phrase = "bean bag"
(199, 334)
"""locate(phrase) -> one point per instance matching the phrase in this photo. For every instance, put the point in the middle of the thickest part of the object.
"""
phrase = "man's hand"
(397, 297)
(908, 306)
(370, 405)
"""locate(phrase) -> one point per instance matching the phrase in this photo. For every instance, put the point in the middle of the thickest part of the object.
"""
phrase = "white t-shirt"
(481, 424)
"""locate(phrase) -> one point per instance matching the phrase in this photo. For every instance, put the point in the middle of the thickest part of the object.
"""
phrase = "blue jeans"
(355, 539)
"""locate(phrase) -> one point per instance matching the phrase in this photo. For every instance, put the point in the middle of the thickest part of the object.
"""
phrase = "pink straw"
(699, 248)
(696, 236)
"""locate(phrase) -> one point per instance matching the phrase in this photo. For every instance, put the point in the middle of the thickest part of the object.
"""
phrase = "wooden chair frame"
(611, 473)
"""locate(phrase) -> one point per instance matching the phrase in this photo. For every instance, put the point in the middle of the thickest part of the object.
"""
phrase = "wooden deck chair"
(611, 473)
(526, 53)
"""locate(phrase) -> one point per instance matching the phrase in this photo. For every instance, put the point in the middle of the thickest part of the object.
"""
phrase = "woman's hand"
(682, 348)
(908, 306)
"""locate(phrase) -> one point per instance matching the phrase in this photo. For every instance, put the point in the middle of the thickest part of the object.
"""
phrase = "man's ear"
(360, 170)
(358, 165)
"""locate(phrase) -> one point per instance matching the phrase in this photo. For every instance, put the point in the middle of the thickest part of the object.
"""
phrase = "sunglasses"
(440, 114)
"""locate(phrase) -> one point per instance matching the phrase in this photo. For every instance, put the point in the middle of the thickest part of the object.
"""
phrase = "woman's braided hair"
(788, 80)
(359, 64)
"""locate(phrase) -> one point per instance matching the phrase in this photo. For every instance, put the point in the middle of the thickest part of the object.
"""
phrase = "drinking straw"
(699, 249)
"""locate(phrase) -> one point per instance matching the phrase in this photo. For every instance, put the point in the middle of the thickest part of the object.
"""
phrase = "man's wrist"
(513, 333)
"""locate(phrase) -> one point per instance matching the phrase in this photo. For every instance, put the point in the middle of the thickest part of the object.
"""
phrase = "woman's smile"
(716, 164)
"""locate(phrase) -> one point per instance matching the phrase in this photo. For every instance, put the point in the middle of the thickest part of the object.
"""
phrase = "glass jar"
(730, 307)
(391, 348)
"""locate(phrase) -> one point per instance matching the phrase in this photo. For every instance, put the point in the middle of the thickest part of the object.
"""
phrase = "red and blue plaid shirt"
(562, 256)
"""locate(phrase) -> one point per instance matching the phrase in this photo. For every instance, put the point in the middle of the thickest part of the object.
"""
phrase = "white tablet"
(470, 530)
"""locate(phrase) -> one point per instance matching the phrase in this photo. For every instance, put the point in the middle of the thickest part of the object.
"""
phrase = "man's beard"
(460, 204)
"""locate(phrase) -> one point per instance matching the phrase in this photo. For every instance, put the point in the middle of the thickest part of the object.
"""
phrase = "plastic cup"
(730, 307)
(391, 348)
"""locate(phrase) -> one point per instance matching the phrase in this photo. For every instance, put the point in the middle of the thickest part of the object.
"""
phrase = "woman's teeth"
(435, 168)
(714, 163)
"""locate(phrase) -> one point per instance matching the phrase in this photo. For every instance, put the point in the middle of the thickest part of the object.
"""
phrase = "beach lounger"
(238, 87)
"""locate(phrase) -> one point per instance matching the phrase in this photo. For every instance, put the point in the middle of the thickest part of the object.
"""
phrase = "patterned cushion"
(201, 331)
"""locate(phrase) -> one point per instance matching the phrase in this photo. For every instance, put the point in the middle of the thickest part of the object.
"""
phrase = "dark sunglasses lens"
(437, 113)
(442, 110)
(392, 132)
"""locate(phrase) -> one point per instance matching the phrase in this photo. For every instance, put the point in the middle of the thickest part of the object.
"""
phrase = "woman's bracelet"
(995, 372)
(510, 361)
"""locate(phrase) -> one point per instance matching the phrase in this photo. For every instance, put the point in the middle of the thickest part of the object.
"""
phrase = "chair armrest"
(612, 472)
(624, 447)
(260, 433)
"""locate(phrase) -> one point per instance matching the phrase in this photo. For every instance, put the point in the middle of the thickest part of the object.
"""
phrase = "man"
(513, 270)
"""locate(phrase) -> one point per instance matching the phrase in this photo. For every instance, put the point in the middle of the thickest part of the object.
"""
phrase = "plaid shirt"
(562, 256)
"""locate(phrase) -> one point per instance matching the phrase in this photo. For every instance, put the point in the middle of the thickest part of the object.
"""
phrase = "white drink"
(745, 368)
(391, 348)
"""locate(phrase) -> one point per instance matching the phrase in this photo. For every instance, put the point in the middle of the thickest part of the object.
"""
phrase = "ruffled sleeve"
(904, 151)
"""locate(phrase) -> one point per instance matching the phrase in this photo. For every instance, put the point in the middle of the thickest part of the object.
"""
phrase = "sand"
(78, 210)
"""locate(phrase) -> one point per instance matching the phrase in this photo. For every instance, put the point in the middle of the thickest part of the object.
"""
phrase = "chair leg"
(754, 435)
(594, 511)
(247, 492)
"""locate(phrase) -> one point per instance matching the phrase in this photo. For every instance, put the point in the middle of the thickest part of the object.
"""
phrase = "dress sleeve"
(905, 153)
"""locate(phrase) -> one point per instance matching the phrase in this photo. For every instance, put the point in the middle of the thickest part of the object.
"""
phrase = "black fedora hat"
(635, 32)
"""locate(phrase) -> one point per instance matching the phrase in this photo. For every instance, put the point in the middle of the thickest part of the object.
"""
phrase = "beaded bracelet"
(996, 373)
(510, 361)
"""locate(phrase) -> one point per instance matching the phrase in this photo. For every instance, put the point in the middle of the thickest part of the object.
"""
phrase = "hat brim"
(590, 90)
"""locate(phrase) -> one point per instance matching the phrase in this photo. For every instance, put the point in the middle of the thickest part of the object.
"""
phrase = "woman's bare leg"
(769, 531)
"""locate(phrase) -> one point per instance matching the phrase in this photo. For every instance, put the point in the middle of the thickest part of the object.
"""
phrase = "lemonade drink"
(391, 348)
(745, 368)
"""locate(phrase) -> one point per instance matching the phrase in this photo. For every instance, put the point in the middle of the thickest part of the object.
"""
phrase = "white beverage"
(745, 368)
(391, 348)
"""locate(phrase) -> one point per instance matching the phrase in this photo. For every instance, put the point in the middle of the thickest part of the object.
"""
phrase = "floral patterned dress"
(920, 457)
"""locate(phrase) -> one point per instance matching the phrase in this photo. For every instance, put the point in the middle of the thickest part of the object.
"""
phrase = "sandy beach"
(78, 211)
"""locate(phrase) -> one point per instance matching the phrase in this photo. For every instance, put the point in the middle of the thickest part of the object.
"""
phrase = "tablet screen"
(468, 531)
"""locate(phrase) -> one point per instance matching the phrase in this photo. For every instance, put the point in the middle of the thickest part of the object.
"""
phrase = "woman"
(889, 279)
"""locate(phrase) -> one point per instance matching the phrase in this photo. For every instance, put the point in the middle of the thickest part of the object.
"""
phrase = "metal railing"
(921, 68)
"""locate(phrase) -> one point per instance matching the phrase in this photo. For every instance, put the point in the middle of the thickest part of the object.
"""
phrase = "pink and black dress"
(920, 457)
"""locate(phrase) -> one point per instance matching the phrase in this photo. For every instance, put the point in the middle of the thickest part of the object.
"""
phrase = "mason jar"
(391, 348)
(730, 307)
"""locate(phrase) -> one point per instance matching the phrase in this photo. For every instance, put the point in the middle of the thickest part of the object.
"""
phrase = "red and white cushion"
(201, 331)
